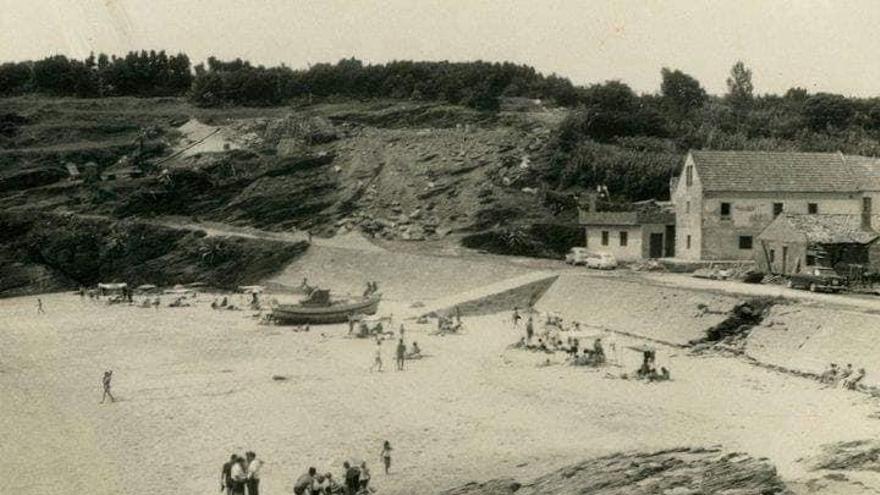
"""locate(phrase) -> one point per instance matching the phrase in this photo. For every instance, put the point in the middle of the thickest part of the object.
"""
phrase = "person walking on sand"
(377, 361)
(401, 354)
(386, 455)
(516, 317)
(253, 473)
(108, 376)
(530, 330)
(226, 475)
(40, 306)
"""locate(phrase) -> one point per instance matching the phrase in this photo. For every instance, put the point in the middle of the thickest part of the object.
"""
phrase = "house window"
(745, 242)
(689, 175)
(624, 237)
(812, 208)
(811, 260)
(688, 243)
(772, 256)
(687, 207)
(725, 210)
(777, 209)
(604, 237)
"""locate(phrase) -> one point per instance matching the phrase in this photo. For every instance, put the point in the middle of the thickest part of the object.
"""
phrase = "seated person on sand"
(829, 375)
(852, 382)
(415, 352)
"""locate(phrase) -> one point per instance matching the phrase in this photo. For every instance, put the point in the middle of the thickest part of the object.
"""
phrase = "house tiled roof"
(638, 217)
(867, 169)
(829, 229)
(758, 171)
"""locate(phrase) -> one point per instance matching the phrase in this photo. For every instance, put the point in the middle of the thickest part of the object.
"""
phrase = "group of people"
(401, 354)
(844, 377)
(241, 475)
(648, 370)
(355, 478)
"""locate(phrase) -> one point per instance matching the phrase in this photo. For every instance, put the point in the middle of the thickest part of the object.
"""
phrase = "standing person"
(352, 478)
(238, 474)
(226, 475)
(401, 354)
(40, 306)
(305, 483)
(402, 330)
(253, 473)
(377, 361)
(364, 479)
(108, 376)
(386, 455)
(516, 317)
(530, 330)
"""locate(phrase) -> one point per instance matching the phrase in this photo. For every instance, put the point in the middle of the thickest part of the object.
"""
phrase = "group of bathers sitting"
(222, 304)
(844, 377)
(446, 324)
(647, 371)
(571, 346)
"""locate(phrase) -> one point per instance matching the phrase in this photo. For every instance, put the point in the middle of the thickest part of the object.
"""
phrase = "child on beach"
(377, 362)
(386, 455)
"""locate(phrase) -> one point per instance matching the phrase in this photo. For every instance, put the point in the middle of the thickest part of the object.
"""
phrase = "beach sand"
(195, 385)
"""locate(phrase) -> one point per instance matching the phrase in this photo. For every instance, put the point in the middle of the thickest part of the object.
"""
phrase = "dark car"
(817, 279)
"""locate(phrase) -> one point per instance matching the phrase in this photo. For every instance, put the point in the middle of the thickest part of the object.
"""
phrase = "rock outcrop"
(684, 471)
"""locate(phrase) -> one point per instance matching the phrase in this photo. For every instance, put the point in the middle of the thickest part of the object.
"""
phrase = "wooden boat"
(318, 308)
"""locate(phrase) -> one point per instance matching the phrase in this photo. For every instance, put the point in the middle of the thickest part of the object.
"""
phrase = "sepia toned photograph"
(439, 247)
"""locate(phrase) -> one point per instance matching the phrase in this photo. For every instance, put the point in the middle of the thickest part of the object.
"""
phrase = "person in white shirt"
(238, 473)
(253, 473)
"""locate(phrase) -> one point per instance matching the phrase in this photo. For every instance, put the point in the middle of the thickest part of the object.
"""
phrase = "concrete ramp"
(521, 291)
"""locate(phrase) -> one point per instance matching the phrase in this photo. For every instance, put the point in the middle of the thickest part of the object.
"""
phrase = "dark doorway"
(670, 241)
(656, 246)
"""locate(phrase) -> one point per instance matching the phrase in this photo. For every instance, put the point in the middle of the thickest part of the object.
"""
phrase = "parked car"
(601, 261)
(817, 278)
(577, 256)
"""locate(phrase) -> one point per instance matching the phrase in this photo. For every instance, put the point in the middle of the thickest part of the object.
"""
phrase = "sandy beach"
(195, 385)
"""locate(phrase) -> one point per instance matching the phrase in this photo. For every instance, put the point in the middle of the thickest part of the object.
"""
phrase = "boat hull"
(335, 313)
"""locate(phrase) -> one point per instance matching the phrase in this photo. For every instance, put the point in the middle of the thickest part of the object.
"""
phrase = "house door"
(785, 260)
(656, 246)
(670, 241)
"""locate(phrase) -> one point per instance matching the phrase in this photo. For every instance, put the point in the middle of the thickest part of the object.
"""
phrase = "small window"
(687, 207)
(624, 238)
(777, 209)
(725, 210)
(604, 237)
(689, 175)
(812, 208)
(772, 255)
(688, 242)
(745, 242)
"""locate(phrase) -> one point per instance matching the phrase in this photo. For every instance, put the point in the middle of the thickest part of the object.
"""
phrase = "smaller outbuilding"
(792, 242)
(636, 235)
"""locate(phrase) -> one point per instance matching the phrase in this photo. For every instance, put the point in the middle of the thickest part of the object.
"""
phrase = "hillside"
(392, 169)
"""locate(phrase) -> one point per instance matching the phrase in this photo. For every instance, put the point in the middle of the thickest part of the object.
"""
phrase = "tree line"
(142, 74)
(634, 144)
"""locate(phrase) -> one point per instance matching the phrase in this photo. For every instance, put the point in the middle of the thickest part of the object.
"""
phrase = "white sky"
(823, 45)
